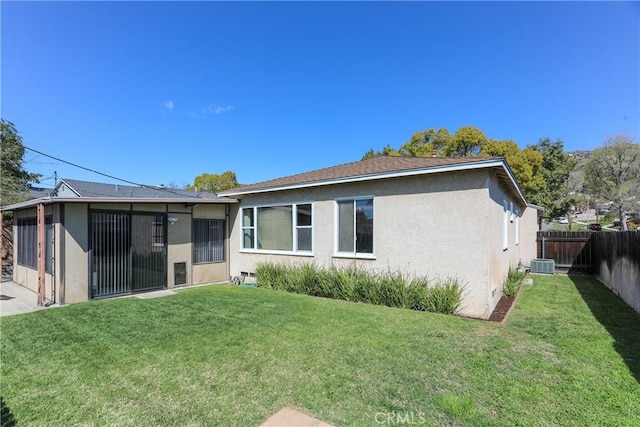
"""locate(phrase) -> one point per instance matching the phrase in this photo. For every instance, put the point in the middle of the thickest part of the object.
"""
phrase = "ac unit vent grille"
(546, 266)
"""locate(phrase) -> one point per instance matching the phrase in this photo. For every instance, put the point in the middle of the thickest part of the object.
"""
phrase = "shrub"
(356, 284)
(512, 282)
(445, 296)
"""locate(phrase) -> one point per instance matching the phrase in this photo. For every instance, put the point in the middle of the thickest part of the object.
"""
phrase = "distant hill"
(576, 177)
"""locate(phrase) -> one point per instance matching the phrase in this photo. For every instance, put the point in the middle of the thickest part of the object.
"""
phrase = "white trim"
(347, 255)
(517, 227)
(336, 229)
(393, 174)
(505, 225)
(294, 234)
(276, 252)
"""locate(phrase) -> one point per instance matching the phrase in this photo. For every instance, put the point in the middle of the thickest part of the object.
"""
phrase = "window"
(157, 233)
(517, 220)
(505, 225)
(28, 243)
(208, 240)
(304, 232)
(286, 228)
(248, 228)
(355, 226)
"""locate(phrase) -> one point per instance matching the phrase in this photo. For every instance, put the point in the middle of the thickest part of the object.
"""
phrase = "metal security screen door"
(128, 252)
(148, 252)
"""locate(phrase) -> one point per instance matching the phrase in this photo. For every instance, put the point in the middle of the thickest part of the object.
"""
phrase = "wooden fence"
(614, 257)
(571, 250)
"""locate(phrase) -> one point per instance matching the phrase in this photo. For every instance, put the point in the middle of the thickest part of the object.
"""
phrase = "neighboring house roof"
(99, 189)
(382, 167)
(74, 191)
(37, 192)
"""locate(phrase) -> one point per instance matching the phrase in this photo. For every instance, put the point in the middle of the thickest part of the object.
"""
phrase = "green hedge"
(356, 284)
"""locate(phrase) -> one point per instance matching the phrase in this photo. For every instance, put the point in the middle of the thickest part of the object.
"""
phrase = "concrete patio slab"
(289, 417)
(155, 294)
(16, 299)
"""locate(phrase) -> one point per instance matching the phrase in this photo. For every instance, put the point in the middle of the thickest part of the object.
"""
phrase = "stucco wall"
(501, 258)
(71, 243)
(436, 225)
(179, 239)
(529, 232)
(76, 270)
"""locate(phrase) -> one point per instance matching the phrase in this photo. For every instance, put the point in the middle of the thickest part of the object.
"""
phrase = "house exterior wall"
(529, 229)
(76, 249)
(439, 225)
(23, 275)
(504, 252)
(71, 246)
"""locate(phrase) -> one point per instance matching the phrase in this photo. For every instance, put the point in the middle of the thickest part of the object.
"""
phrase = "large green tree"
(426, 143)
(214, 183)
(612, 173)
(526, 164)
(14, 179)
(554, 195)
(386, 151)
(467, 141)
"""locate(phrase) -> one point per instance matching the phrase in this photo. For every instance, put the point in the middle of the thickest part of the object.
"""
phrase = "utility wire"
(107, 175)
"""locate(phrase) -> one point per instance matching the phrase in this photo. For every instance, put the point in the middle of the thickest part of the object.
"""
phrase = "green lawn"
(220, 355)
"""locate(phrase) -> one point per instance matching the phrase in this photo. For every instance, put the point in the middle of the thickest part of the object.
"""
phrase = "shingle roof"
(373, 167)
(98, 189)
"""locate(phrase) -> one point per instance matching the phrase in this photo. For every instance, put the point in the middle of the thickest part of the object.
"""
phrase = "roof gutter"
(394, 174)
(164, 200)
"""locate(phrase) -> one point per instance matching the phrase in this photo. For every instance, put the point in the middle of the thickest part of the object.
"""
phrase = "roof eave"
(393, 174)
(54, 200)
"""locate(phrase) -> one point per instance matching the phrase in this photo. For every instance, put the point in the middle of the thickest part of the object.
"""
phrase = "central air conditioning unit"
(546, 266)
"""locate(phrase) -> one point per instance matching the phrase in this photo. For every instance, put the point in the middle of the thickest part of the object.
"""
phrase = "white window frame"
(247, 227)
(294, 229)
(517, 221)
(505, 225)
(336, 228)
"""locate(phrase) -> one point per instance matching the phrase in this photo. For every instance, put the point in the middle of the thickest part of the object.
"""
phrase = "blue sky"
(160, 92)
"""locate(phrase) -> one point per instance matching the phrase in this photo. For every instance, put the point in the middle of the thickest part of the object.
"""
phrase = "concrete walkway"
(289, 417)
(16, 299)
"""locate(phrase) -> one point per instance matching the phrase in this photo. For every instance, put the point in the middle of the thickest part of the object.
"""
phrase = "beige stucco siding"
(528, 230)
(521, 227)
(178, 246)
(76, 270)
(71, 246)
(437, 225)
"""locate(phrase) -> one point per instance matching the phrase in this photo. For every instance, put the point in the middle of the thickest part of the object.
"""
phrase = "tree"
(467, 141)
(214, 183)
(554, 195)
(613, 174)
(526, 164)
(426, 143)
(386, 151)
(14, 179)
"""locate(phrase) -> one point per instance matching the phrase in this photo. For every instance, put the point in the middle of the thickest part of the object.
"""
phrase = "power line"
(107, 175)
